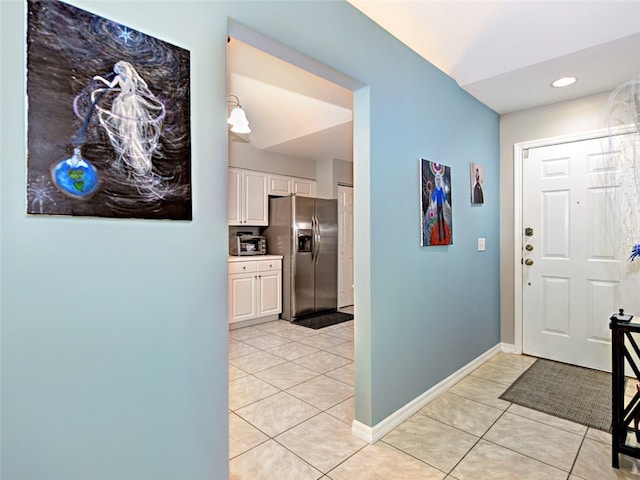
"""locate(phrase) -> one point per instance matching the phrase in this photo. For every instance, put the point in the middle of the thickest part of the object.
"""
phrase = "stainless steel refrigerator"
(305, 232)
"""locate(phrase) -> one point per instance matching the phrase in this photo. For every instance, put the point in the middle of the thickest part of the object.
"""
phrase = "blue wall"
(130, 380)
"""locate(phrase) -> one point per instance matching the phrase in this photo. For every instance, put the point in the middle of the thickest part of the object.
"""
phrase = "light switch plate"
(481, 244)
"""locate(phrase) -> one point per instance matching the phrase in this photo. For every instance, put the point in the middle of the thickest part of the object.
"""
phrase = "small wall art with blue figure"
(108, 118)
(435, 185)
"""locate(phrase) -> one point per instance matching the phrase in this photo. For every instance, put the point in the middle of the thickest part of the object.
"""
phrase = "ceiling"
(504, 53)
(290, 111)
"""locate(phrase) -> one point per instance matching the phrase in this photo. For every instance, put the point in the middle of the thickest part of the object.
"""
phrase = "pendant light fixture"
(238, 118)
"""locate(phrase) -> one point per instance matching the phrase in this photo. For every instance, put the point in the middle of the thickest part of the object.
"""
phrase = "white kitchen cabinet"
(255, 289)
(281, 185)
(304, 187)
(248, 198)
(269, 287)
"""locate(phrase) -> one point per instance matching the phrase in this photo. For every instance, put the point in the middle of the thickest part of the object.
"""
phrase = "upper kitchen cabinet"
(304, 188)
(248, 198)
(281, 185)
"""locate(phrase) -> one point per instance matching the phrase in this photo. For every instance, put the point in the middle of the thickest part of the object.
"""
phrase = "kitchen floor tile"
(287, 401)
(594, 463)
(244, 333)
(548, 444)
(277, 413)
(548, 419)
(322, 362)
(274, 327)
(511, 360)
(498, 373)
(323, 441)
(322, 392)
(239, 349)
(286, 375)
(292, 351)
(481, 390)
(345, 411)
(345, 331)
(297, 333)
(344, 350)
(487, 461)
(431, 441)
(271, 461)
(235, 373)
(246, 390)
(382, 462)
(467, 415)
(322, 341)
(243, 436)
(266, 341)
(344, 374)
(256, 362)
(599, 436)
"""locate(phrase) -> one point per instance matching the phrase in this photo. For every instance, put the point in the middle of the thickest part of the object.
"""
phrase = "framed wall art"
(477, 183)
(108, 118)
(435, 187)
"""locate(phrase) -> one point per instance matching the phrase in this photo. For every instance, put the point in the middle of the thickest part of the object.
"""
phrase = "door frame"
(518, 151)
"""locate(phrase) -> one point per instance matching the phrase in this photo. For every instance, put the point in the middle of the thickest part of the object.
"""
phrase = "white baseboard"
(375, 433)
(253, 321)
(508, 348)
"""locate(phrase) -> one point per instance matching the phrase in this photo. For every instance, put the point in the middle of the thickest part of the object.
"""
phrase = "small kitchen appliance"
(246, 244)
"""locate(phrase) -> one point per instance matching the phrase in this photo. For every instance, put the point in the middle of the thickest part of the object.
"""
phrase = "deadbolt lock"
(528, 232)
(528, 248)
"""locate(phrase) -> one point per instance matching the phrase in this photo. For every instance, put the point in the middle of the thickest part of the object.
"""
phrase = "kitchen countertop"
(245, 258)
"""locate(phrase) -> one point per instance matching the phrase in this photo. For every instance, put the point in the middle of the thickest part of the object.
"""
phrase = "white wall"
(577, 116)
(244, 155)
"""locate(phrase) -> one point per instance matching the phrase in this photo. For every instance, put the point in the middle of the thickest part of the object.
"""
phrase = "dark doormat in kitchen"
(323, 320)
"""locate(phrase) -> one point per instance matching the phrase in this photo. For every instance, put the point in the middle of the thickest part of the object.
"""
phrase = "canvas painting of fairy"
(108, 118)
(435, 186)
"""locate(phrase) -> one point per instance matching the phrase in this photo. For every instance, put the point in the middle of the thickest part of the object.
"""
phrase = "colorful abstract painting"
(435, 186)
(108, 119)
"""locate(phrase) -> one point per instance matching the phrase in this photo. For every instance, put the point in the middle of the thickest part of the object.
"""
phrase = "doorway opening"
(276, 149)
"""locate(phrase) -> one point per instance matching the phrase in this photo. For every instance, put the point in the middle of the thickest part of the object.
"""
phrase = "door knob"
(529, 247)
(528, 262)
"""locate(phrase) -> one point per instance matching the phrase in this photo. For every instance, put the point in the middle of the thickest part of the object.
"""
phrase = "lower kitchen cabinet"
(255, 290)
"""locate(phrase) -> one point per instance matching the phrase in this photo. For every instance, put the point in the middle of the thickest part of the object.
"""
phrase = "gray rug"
(578, 394)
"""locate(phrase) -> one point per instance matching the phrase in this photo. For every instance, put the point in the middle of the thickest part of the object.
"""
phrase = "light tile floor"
(291, 400)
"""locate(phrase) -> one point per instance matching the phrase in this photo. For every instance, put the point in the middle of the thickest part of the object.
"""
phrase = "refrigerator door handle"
(313, 239)
(314, 227)
(313, 233)
(318, 239)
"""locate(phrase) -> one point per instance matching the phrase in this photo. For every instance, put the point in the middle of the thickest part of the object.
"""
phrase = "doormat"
(578, 394)
(323, 320)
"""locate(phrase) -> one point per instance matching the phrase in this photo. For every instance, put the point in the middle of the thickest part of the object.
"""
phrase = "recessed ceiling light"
(564, 82)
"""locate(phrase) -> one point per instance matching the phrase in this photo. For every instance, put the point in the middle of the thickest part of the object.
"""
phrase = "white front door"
(572, 270)
(345, 246)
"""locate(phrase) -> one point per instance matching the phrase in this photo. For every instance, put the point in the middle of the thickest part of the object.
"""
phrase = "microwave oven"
(247, 245)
